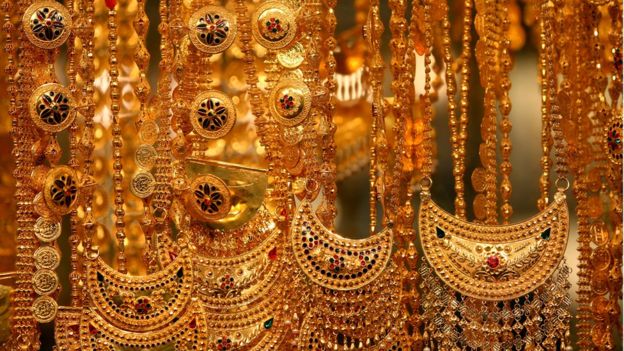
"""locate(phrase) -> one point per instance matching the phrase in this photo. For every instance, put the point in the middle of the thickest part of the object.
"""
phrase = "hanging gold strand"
(117, 140)
(504, 106)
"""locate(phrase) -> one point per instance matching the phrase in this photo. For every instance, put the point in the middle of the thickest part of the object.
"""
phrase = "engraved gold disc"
(61, 190)
(291, 57)
(209, 198)
(145, 156)
(44, 309)
(47, 230)
(44, 281)
(290, 102)
(46, 257)
(142, 184)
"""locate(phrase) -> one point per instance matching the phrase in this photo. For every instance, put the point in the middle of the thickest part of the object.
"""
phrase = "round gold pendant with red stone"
(291, 101)
(47, 24)
(275, 26)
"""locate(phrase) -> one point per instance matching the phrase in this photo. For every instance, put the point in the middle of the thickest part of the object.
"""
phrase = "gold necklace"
(348, 278)
(502, 271)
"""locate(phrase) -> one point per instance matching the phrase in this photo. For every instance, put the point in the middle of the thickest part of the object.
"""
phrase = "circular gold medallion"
(44, 309)
(614, 139)
(61, 190)
(213, 114)
(47, 24)
(292, 57)
(209, 198)
(47, 230)
(212, 29)
(50, 107)
(599, 234)
(145, 156)
(600, 259)
(478, 179)
(46, 257)
(600, 282)
(600, 307)
(44, 281)
(148, 133)
(275, 25)
(292, 135)
(290, 102)
(142, 184)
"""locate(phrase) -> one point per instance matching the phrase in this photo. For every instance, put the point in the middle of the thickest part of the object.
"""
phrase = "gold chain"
(117, 142)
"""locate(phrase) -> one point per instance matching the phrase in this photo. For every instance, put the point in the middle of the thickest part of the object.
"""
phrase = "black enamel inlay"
(546, 234)
(440, 233)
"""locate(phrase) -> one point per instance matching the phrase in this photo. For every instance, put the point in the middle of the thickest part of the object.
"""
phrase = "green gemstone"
(268, 324)
(546, 234)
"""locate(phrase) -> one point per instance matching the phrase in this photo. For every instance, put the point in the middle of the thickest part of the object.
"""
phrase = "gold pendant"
(494, 263)
(88, 330)
(140, 303)
(156, 310)
(332, 261)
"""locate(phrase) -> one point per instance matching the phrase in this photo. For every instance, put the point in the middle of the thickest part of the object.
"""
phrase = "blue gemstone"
(440, 233)
(268, 324)
(546, 234)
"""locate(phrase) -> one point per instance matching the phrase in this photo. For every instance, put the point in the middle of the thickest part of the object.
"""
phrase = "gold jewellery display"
(186, 195)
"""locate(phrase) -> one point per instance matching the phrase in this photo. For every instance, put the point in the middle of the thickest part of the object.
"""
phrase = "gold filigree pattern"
(494, 262)
(141, 302)
(61, 190)
(51, 107)
(212, 29)
(213, 114)
(367, 318)
(275, 26)
(290, 102)
(252, 275)
(47, 24)
(188, 332)
(208, 198)
(613, 144)
(332, 261)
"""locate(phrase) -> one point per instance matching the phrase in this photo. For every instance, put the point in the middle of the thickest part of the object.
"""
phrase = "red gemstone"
(92, 330)
(273, 254)
(111, 4)
(493, 261)
(74, 328)
(172, 255)
(193, 324)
